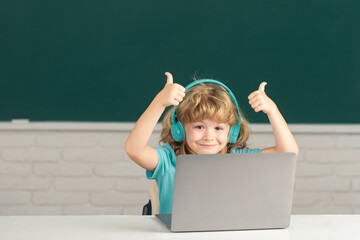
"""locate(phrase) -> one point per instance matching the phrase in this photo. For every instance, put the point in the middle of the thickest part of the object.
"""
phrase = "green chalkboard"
(91, 60)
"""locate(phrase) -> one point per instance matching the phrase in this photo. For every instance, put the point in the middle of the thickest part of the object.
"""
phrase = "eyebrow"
(217, 123)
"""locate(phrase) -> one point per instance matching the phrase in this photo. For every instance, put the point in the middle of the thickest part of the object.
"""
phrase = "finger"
(256, 104)
(175, 102)
(253, 94)
(253, 99)
(262, 86)
(256, 98)
(258, 109)
(181, 93)
(169, 78)
(179, 98)
(181, 88)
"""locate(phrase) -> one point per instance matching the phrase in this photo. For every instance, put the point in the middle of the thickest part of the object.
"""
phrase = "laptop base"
(166, 219)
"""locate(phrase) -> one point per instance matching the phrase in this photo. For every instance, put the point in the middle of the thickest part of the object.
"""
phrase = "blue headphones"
(177, 128)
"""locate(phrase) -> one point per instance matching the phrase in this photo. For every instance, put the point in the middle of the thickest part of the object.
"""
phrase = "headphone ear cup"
(234, 133)
(178, 132)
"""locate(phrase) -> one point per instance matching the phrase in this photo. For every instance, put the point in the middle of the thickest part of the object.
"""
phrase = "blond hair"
(204, 101)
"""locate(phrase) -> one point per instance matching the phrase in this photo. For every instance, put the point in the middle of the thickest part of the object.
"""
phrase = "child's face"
(207, 136)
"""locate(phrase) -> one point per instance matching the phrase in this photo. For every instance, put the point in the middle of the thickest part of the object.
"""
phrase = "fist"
(172, 93)
(259, 101)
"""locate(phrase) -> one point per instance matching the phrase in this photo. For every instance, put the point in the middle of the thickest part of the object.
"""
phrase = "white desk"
(304, 227)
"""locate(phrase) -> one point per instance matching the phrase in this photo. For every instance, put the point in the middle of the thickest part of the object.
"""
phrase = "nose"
(209, 135)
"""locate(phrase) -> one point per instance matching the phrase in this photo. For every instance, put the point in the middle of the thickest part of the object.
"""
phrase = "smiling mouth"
(207, 145)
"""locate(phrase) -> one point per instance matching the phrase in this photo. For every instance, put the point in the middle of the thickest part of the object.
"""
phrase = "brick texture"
(47, 172)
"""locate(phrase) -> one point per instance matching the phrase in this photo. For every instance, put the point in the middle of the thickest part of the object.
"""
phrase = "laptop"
(232, 192)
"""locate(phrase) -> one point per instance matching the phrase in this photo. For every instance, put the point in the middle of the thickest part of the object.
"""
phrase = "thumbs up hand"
(259, 101)
(172, 93)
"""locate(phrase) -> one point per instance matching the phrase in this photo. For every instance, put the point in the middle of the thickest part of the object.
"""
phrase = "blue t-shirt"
(164, 174)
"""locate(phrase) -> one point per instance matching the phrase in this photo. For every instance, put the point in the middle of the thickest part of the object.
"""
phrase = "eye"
(219, 128)
(199, 127)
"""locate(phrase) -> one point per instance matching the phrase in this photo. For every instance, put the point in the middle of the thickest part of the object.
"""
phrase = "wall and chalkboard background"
(88, 60)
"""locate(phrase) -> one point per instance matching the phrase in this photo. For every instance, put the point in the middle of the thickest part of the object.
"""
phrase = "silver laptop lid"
(233, 191)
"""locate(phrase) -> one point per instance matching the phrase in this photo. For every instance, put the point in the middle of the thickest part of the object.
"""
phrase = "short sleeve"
(245, 150)
(166, 160)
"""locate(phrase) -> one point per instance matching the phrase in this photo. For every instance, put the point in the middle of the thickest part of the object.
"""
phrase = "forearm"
(285, 141)
(144, 127)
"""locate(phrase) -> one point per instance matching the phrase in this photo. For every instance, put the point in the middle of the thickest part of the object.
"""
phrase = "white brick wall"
(58, 168)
